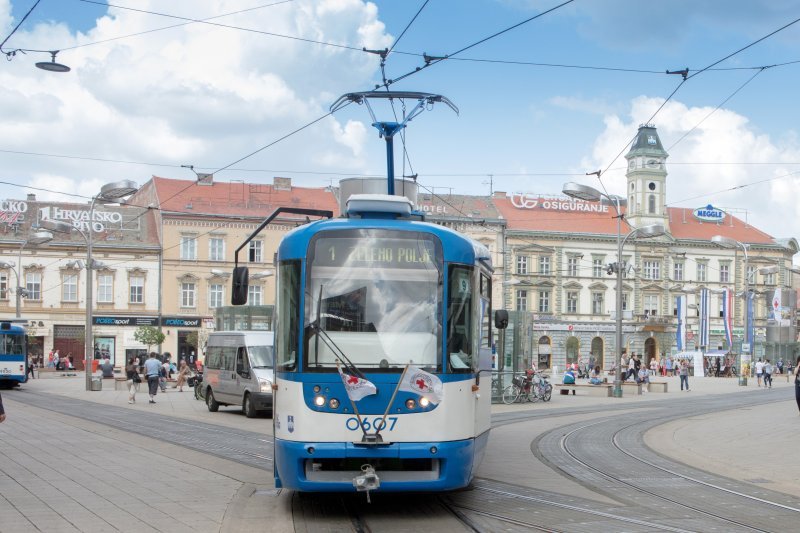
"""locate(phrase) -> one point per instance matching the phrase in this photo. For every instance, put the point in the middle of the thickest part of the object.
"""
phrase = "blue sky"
(207, 95)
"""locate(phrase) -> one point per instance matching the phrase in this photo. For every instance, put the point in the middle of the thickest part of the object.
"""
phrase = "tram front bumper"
(404, 466)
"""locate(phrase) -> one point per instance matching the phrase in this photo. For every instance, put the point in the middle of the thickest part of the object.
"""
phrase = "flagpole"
(391, 401)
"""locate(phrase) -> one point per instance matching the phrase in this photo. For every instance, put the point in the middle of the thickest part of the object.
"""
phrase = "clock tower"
(647, 177)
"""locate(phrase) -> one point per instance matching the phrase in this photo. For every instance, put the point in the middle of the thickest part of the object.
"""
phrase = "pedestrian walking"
(796, 385)
(164, 372)
(152, 368)
(684, 374)
(31, 368)
(3, 411)
(759, 370)
(133, 379)
(767, 374)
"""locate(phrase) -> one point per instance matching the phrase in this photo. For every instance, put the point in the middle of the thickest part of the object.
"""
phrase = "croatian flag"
(355, 386)
(705, 315)
(727, 315)
(423, 383)
(680, 335)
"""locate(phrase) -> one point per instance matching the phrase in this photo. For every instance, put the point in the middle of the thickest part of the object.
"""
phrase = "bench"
(604, 389)
(657, 386)
(632, 384)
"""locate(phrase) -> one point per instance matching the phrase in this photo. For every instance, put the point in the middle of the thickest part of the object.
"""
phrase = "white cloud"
(724, 161)
(195, 93)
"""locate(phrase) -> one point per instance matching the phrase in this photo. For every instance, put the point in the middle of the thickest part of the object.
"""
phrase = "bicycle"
(519, 390)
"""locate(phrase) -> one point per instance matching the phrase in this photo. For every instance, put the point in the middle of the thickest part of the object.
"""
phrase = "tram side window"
(11, 344)
(459, 319)
(288, 305)
(486, 304)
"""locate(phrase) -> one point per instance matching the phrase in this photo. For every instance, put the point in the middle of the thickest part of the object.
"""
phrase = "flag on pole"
(423, 383)
(750, 326)
(705, 315)
(355, 386)
(727, 315)
(680, 335)
(776, 304)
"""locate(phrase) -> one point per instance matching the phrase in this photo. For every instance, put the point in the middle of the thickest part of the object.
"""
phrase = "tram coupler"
(371, 439)
(367, 481)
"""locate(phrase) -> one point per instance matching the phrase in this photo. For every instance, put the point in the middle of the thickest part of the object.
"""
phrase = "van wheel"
(247, 407)
(212, 404)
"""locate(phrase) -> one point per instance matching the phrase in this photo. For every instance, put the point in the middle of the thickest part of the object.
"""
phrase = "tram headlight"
(265, 385)
(319, 401)
(333, 403)
(410, 404)
(424, 402)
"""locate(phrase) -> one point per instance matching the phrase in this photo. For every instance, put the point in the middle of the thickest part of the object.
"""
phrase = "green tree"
(149, 336)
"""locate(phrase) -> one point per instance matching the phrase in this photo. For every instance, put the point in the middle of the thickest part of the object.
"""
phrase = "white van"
(239, 370)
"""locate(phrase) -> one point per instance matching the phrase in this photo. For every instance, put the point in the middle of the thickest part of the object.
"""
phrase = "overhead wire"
(137, 34)
(10, 54)
(228, 26)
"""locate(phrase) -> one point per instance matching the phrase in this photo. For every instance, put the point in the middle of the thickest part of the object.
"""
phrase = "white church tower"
(647, 176)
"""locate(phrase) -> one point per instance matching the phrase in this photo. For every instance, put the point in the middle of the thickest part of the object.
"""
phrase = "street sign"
(745, 347)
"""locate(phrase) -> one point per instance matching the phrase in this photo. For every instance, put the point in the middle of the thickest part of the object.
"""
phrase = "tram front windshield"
(373, 298)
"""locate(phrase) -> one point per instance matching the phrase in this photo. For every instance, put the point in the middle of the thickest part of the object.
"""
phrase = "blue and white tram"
(383, 289)
(13, 355)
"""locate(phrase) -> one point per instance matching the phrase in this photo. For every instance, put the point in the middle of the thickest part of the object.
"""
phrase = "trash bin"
(97, 383)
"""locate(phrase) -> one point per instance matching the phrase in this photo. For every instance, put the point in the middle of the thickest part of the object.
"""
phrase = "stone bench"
(604, 389)
(631, 385)
(657, 386)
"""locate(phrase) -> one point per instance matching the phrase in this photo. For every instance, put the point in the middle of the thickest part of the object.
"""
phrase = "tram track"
(467, 507)
(617, 479)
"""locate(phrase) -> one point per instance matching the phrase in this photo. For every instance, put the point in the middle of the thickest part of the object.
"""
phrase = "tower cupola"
(647, 176)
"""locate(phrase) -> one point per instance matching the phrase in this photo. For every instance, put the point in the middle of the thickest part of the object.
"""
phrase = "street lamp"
(584, 192)
(109, 193)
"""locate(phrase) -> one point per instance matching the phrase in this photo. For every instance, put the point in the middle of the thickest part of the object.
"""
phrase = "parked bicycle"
(532, 387)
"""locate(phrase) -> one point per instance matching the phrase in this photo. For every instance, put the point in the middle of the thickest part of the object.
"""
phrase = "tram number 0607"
(369, 424)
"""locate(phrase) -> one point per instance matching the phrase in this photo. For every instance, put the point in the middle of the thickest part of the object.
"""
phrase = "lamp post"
(584, 192)
(109, 193)
(728, 242)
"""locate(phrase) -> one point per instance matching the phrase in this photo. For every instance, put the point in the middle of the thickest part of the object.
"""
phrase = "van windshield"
(261, 356)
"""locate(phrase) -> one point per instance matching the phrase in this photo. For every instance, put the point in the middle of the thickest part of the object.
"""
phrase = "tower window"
(652, 186)
(651, 203)
(633, 185)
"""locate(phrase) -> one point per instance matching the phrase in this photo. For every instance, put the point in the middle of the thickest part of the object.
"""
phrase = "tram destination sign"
(367, 252)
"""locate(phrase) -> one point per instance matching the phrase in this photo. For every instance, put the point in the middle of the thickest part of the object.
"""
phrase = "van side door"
(242, 369)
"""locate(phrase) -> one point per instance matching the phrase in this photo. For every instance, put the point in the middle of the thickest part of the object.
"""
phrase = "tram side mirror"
(240, 284)
(501, 319)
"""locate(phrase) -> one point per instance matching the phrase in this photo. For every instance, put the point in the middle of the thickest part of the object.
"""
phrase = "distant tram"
(13, 355)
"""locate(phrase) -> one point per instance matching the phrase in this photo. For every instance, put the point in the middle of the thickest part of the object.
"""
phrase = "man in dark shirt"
(107, 368)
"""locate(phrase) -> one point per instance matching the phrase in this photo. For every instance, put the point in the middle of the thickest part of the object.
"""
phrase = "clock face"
(653, 163)
(632, 164)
